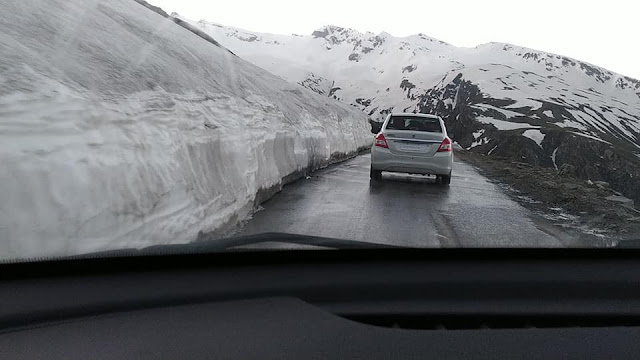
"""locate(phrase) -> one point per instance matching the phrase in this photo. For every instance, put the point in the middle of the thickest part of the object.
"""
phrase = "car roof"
(430, 116)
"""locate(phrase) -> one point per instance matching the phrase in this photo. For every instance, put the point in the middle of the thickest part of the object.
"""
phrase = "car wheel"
(375, 175)
(444, 180)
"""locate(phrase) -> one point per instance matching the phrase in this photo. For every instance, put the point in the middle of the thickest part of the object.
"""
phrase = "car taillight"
(381, 141)
(445, 145)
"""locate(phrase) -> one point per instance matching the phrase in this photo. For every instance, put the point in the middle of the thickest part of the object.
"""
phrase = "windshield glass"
(414, 123)
(254, 125)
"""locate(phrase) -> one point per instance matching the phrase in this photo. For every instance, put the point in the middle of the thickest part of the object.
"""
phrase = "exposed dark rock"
(316, 84)
(320, 33)
(377, 41)
(596, 72)
(567, 61)
(363, 102)
(409, 68)
(567, 170)
(406, 85)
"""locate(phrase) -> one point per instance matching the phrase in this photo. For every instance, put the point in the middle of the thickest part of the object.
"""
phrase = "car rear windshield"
(414, 123)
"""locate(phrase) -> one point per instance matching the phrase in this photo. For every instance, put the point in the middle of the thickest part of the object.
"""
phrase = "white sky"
(602, 32)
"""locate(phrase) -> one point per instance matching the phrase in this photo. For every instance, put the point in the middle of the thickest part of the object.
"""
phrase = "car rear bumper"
(383, 160)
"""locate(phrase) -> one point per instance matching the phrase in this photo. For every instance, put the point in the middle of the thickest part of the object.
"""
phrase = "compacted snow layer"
(119, 129)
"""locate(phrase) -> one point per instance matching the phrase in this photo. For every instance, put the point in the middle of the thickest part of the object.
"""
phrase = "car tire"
(443, 180)
(375, 175)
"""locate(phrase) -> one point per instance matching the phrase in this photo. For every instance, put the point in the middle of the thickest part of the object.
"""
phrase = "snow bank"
(119, 128)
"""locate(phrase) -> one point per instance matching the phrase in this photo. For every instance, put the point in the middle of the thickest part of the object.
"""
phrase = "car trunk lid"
(413, 143)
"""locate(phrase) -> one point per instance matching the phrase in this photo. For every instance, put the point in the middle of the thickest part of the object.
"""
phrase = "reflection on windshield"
(126, 126)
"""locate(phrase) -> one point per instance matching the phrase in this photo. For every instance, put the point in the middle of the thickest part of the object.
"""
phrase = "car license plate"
(412, 147)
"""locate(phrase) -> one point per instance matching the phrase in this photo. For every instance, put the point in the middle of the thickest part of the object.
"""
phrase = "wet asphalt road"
(341, 202)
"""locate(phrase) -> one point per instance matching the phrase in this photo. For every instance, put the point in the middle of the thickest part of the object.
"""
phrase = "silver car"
(414, 144)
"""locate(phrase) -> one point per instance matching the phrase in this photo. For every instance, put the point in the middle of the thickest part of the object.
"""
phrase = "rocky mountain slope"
(121, 129)
(501, 99)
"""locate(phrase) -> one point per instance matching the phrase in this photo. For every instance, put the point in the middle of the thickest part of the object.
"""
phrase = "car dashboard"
(368, 304)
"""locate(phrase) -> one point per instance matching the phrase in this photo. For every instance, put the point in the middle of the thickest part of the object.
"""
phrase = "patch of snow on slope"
(507, 113)
(553, 158)
(571, 124)
(478, 139)
(587, 120)
(590, 137)
(548, 113)
(534, 135)
(505, 125)
(614, 120)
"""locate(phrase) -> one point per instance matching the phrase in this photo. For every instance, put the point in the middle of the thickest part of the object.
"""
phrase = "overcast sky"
(604, 33)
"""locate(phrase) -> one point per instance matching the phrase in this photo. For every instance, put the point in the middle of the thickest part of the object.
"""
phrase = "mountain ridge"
(330, 29)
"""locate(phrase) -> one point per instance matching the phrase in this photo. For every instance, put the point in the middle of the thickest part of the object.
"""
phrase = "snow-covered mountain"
(120, 128)
(498, 99)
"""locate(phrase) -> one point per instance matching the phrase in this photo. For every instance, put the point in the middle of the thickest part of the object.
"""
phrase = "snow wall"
(119, 129)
